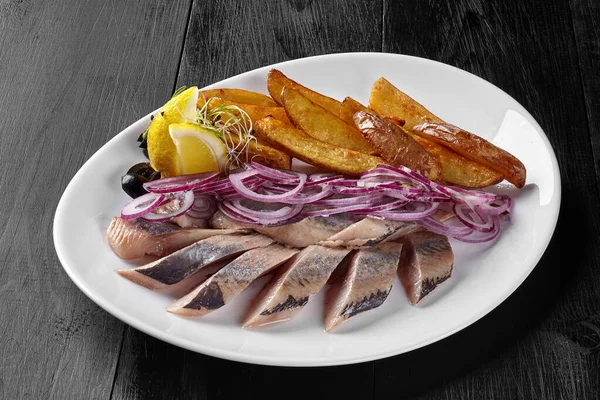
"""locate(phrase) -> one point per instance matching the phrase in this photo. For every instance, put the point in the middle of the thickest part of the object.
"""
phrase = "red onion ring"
(183, 201)
(180, 183)
(142, 205)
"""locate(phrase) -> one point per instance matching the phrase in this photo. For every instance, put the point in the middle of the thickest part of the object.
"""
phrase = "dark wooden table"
(73, 73)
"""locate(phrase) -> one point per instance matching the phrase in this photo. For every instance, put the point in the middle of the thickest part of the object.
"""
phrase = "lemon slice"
(198, 149)
(161, 149)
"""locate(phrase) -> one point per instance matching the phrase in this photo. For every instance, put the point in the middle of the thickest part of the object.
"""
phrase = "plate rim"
(274, 361)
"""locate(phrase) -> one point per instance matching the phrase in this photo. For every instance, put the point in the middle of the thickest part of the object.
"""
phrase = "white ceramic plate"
(484, 274)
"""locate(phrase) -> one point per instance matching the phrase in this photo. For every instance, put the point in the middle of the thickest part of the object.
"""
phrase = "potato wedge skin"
(276, 81)
(396, 146)
(387, 100)
(260, 152)
(475, 148)
(321, 124)
(349, 108)
(298, 144)
(239, 96)
(458, 170)
(255, 112)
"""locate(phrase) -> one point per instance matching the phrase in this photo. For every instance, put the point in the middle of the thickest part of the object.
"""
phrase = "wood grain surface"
(76, 72)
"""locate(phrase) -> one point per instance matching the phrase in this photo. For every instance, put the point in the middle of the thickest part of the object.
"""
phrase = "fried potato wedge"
(239, 96)
(389, 101)
(276, 81)
(349, 108)
(321, 124)
(260, 152)
(255, 112)
(396, 146)
(323, 155)
(458, 170)
(475, 148)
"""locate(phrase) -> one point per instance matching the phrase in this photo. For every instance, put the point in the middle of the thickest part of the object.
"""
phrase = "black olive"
(144, 169)
(132, 184)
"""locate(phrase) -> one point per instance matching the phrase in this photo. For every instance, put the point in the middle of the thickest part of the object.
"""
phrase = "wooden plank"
(74, 73)
(527, 49)
(225, 38)
(586, 25)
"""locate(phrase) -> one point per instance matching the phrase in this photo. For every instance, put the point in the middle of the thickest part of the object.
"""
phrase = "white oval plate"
(483, 277)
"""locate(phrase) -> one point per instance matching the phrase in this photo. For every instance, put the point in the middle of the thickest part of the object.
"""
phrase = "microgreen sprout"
(230, 123)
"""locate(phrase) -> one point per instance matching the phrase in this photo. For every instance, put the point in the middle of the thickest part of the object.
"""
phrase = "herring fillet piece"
(303, 233)
(231, 280)
(427, 260)
(293, 284)
(131, 239)
(174, 268)
(370, 232)
(365, 285)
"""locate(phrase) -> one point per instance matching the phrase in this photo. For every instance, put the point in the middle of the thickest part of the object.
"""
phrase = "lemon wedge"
(198, 149)
(161, 149)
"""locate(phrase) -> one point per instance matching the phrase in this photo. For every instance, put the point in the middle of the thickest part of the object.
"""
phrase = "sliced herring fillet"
(293, 284)
(176, 267)
(231, 280)
(365, 285)
(137, 238)
(427, 260)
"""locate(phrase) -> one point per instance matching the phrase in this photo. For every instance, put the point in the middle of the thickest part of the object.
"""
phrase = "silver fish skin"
(427, 260)
(370, 232)
(303, 233)
(131, 239)
(293, 285)
(365, 285)
(231, 280)
(176, 267)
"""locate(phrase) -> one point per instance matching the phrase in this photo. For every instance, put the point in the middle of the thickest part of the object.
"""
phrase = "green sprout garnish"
(179, 91)
(231, 124)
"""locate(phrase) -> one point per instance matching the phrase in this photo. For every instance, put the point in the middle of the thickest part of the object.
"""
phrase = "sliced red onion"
(480, 237)
(407, 214)
(204, 206)
(142, 205)
(238, 216)
(382, 207)
(365, 200)
(180, 183)
(441, 228)
(500, 205)
(357, 190)
(471, 218)
(323, 181)
(307, 198)
(283, 213)
(272, 172)
(179, 204)
(325, 212)
(239, 186)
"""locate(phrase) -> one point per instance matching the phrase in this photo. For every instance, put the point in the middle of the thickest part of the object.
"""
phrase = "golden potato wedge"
(458, 170)
(255, 112)
(312, 151)
(349, 108)
(396, 146)
(260, 152)
(239, 96)
(321, 124)
(475, 148)
(389, 101)
(276, 81)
